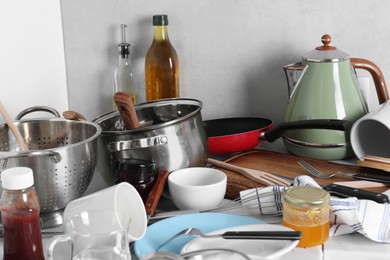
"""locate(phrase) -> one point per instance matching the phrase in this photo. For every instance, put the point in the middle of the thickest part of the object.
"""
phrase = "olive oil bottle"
(161, 63)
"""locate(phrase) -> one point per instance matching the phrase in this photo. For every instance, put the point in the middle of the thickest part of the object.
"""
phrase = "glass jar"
(307, 209)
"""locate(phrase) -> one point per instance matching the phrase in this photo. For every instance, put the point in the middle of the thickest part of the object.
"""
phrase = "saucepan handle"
(277, 131)
(137, 143)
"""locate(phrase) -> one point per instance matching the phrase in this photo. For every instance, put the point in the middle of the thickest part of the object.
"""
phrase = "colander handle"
(137, 143)
(54, 156)
(36, 109)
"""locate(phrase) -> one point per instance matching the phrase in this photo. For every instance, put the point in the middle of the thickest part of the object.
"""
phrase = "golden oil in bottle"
(161, 63)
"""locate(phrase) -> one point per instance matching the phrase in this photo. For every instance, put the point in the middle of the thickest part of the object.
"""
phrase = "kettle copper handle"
(377, 75)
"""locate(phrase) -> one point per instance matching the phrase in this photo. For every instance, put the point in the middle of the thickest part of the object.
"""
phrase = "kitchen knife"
(344, 191)
(369, 177)
(271, 235)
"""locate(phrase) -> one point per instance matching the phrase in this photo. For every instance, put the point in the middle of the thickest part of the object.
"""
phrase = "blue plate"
(157, 233)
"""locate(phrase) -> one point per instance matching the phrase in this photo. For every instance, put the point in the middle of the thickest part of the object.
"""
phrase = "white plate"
(255, 249)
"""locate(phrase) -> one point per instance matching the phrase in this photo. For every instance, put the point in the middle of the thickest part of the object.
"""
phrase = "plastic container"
(20, 215)
(307, 209)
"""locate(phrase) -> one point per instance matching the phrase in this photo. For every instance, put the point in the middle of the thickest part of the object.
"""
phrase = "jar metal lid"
(306, 197)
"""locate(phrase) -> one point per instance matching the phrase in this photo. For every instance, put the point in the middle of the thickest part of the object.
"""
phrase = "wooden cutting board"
(284, 164)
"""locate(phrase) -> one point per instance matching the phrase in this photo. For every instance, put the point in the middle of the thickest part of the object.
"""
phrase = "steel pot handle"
(36, 109)
(138, 143)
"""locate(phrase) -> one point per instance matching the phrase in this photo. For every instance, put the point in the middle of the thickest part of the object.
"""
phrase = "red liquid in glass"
(22, 235)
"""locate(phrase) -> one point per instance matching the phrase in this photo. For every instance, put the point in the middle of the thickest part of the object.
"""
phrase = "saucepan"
(231, 135)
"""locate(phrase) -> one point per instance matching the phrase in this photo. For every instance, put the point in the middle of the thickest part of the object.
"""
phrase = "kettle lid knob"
(326, 40)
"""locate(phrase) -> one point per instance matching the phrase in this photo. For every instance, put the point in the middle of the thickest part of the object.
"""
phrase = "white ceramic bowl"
(197, 188)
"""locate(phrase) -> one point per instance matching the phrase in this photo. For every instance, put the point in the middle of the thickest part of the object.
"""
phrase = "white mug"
(122, 197)
(370, 135)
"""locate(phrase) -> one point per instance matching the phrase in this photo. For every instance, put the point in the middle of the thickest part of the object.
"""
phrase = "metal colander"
(62, 154)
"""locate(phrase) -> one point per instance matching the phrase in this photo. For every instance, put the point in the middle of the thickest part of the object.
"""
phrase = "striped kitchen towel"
(348, 215)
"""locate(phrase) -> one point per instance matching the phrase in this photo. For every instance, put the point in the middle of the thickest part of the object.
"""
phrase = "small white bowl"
(197, 188)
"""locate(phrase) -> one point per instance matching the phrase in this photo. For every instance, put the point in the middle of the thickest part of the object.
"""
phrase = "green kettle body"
(324, 86)
(326, 90)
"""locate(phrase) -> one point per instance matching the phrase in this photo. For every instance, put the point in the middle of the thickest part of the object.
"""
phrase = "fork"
(270, 235)
(320, 174)
(258, 176)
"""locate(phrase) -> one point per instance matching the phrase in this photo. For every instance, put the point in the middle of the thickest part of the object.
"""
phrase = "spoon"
(23, 146)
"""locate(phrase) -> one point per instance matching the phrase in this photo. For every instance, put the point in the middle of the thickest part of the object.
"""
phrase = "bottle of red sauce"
(20, 215)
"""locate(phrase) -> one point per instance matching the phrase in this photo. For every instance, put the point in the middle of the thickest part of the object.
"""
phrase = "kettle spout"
(294, 73)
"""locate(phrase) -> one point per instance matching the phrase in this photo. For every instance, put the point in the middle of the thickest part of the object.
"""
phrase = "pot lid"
(326, 53)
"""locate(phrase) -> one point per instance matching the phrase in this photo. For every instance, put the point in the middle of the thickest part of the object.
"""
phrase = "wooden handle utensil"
(23, 146)
(126, 109)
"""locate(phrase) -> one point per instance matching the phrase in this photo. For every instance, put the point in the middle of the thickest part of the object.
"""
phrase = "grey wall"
(231, 52)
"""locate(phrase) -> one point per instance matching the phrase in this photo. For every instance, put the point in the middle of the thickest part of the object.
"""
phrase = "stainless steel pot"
(171, 135)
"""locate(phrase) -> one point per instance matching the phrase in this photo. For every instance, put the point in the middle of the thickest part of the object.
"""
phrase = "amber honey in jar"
(307, 209)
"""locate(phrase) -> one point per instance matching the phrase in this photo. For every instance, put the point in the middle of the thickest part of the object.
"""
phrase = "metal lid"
(307, 197)
(326, 53)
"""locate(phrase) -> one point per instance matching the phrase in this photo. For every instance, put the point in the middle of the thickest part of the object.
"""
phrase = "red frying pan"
(231, 135)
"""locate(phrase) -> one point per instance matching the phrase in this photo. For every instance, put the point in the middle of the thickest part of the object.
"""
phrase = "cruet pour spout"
(294, 73)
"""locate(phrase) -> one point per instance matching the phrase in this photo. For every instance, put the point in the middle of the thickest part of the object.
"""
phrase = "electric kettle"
(324, 86)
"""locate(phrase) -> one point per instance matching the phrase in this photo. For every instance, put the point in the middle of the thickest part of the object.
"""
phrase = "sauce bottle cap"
(160, 19)
(17, 178)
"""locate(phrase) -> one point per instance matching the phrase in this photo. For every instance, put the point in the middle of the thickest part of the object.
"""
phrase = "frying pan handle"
(276, 132)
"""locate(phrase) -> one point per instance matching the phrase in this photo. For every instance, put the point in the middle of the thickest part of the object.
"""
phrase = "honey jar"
(307, 209)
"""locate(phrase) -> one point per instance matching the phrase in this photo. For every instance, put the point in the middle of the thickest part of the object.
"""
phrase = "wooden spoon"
(23, 146)
(127, 111)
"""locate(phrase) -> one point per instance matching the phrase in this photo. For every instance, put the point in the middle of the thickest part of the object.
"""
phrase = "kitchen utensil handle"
(155, 193)
(37, 109)
(345, 191)
(377, 76)
(276, 132)
(370, 177)
(269, 235)
(126, 109)
(22, 144)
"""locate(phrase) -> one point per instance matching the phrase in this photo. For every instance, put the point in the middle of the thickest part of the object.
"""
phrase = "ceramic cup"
(370, 135)
(122, 197)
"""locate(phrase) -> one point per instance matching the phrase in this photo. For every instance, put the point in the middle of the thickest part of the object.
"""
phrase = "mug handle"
(53, 243)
